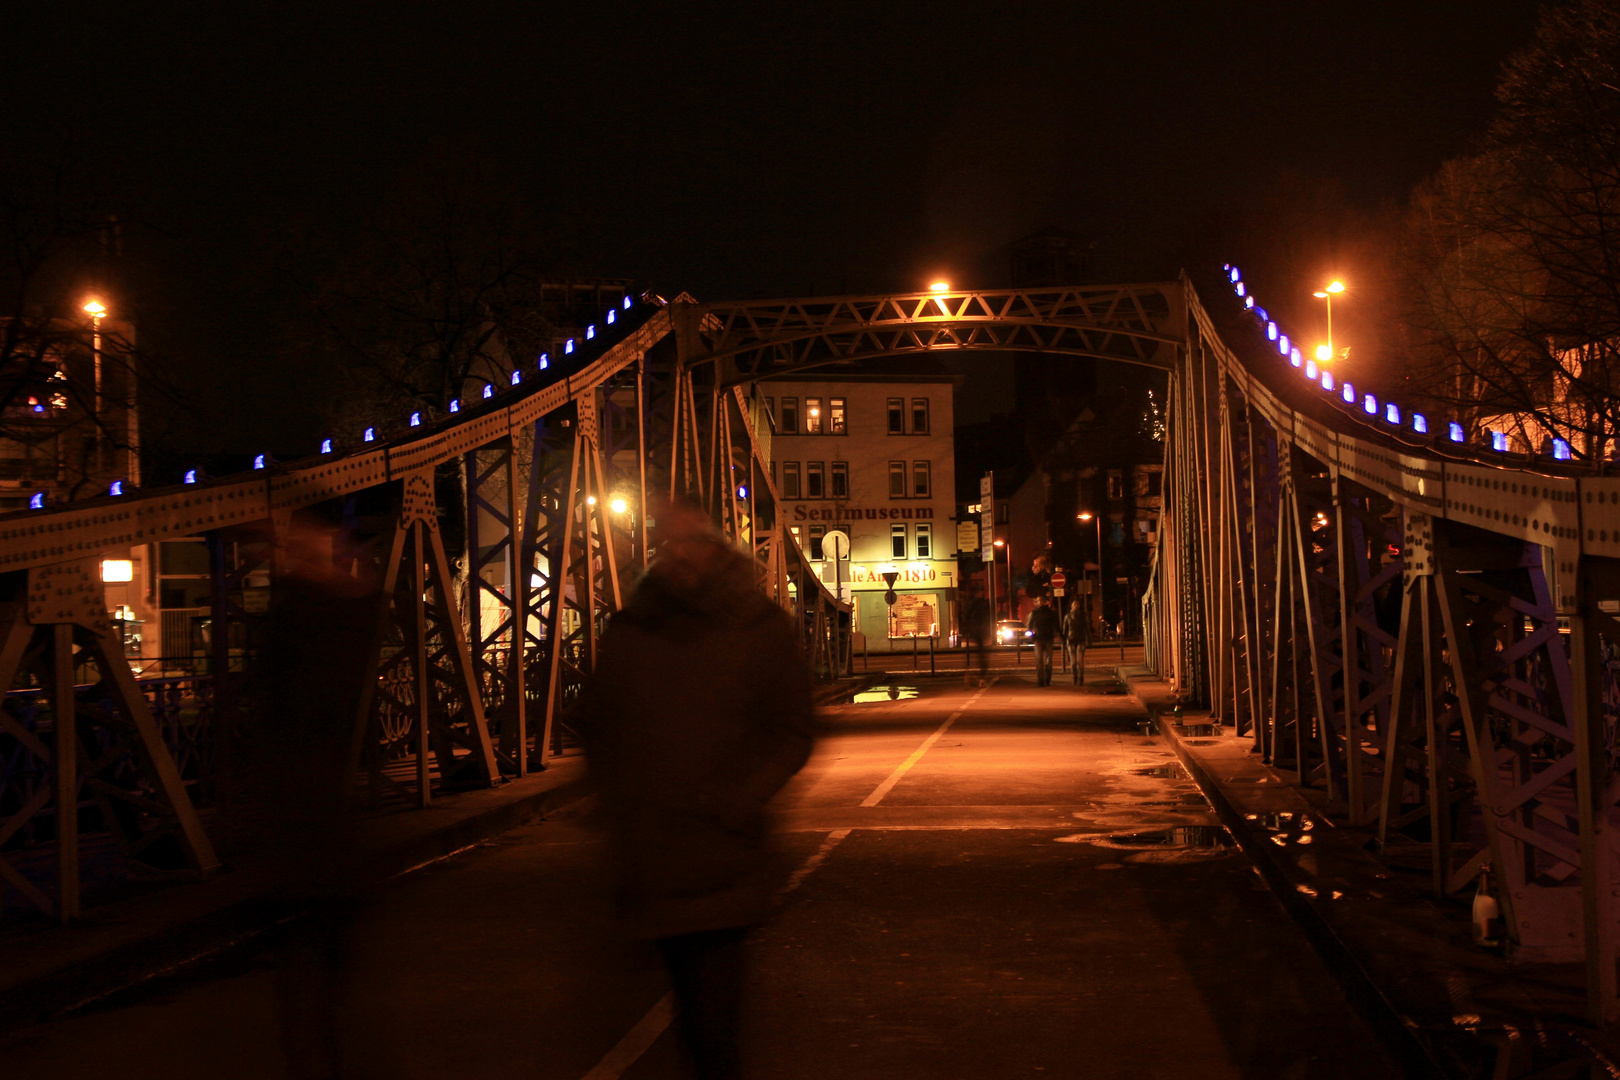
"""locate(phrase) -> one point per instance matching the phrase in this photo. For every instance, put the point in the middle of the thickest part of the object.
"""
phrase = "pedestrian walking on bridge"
(698, 712)
(1043, 627)
(1076, 637)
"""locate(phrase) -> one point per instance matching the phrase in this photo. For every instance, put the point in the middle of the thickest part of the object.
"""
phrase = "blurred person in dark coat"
(699, 711)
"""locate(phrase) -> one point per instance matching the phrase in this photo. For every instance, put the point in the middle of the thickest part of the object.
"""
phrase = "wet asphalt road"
(1031, 897)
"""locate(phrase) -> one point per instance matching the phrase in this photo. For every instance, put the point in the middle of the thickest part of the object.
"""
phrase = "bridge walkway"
(1007, 882)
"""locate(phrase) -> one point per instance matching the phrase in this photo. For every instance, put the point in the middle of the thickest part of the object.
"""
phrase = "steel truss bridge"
(1423, 630)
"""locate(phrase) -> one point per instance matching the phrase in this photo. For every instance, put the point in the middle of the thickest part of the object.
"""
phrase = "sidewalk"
(1405, 958)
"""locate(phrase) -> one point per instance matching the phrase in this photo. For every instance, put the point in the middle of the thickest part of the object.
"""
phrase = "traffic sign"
(1059, 580)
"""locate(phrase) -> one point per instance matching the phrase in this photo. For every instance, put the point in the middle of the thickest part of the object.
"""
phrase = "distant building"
(872, 456)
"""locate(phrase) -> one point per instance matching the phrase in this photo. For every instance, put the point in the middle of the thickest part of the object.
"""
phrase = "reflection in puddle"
(1284, 829)
(884, 693)
(1183, 836)
(1167, 772)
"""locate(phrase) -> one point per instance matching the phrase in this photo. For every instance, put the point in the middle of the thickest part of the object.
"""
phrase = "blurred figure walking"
(1076, 636)
(1043, 627)
(976, 623)
(698, 712)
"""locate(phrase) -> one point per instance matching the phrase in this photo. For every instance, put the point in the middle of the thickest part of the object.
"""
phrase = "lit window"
(919, 416)
(897, 479)
(919, 479)
(790, 480)
(925, 541)
(790, 416)
(1116, 487)
(116, 570)
(815, 480)
(840, 479)
(835, 416)
(897, 541)
(897, 416)
(812, 416)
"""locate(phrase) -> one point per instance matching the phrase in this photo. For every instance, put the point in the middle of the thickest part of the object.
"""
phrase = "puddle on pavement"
(884, 693)
(1284, 829)
(1182, 836)
(1170, 771)
(1203, 742)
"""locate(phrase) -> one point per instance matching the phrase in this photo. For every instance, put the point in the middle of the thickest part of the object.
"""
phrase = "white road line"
(641, 1037)
(916, 755)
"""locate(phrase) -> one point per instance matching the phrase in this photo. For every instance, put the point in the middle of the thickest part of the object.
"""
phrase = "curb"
(166, 950)
(1396, 1031)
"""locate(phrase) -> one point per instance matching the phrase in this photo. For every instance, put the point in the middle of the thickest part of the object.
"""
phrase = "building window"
(790, 480)
(1116, 487)
(897, 416)
(814, 480)
(835, 416)
(773, 472)
(925, 541)
(816, 533)
(897, 541)
(812, 416)
(790, 416)
(919, 416)
(770, 410)
(919, 479)
(1155, 481)
(897, 479)
(840, 479)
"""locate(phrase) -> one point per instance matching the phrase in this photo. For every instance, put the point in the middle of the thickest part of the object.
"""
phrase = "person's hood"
(697, 577)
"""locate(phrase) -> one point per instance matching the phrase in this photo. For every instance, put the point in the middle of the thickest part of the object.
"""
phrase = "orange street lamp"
(937, 288)
(1087, 515)
(1325, 353)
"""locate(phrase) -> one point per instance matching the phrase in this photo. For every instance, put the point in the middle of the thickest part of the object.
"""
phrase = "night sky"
(727, 151)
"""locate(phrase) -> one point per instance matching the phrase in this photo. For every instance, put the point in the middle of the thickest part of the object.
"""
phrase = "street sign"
(987, 517)
(1059, 580)
(836, 544)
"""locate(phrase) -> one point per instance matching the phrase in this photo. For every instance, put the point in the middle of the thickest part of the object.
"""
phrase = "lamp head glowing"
(96, 308)
(618, 504)
(1324, 353)
(1084, 515)
(939, 286)
(1334, 287)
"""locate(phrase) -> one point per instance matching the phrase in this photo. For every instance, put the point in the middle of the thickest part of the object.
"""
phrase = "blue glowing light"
(258, 462)
(1260, 313)
(191, 476)
(455, 404)
(569, 347)
(1248, 301)
(545, 361)
(370, 435)
(1349, 394)
(1370, 404)
(611, 315)
(1327, 380)
(627, 303)
(1420, 423)
(1310, 369)
(1392, 412)
(1454, 431)
(489, 389)
(1561, 450)
(117, 488)
(416, 419)
(1271, 331)
(1235, 274)
(590, 331)
(742, 492)
(1294, 357)
(37, 501)
(1499, 440)
(1282, 344)
(326, 446)
(517, 377)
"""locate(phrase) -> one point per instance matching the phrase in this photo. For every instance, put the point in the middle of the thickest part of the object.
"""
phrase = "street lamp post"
(1087, 515)
(1324, 353)
(96, 310)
